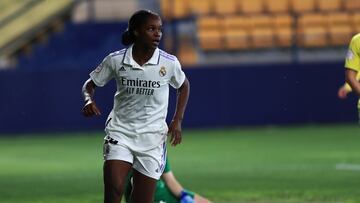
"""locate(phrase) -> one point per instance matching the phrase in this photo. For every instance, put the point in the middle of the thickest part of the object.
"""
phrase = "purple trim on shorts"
(163, 157)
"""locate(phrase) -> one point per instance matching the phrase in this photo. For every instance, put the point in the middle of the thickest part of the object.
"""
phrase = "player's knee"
(115, 189)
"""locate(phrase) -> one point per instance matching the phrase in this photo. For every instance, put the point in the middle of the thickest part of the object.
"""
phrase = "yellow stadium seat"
(311, 30)
(284, 36)
(277, 6)
(208, 22)
(187, 52)
(329, 5)
(261, 21)
(356, 22)
(261, 32)
(340, 34)
(340, 28)
(311, 19)
(236, 22)
(210, 39)
(338, 18)
(312, 37)
(179, 8)
(352, 5)
(262, 37)
(165, 9)
(252, 6)
(236, 39)
(199, 7)
(226, 7)
(284, 30)
(284, 20)
(300, 6)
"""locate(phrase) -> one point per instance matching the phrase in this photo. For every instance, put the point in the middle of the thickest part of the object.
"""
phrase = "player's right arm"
(98, 78)
(90, 107)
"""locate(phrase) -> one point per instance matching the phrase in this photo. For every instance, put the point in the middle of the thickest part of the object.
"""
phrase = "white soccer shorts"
(150, 162)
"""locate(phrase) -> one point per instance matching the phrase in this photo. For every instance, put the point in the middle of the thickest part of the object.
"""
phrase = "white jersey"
(137, 119)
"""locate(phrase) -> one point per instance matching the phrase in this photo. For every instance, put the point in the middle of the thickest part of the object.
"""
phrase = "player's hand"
(175, 132)
(186, 198)
(342, 93)
(90, 109)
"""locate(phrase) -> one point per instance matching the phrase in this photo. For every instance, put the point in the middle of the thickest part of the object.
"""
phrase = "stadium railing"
(26, 20)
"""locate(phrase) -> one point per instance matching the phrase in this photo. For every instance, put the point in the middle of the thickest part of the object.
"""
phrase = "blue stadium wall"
(223, 96)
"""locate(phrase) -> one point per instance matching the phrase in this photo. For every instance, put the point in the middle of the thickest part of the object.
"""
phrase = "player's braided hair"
(136, 20)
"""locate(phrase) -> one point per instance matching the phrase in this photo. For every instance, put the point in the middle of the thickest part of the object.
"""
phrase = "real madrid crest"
(162, 71)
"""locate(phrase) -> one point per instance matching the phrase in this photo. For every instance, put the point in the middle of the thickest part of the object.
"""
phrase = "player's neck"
(142, 54)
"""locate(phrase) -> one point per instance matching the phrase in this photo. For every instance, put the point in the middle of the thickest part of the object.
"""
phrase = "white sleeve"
(178, 77)
(103, 73)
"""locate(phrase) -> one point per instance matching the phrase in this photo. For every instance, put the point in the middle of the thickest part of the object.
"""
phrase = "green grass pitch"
(295, 164)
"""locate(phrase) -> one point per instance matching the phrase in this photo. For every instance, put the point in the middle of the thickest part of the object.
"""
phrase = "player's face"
(150, 33)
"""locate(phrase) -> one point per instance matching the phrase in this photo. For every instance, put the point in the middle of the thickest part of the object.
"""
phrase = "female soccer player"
(168, 190)
(135, 129)
(352, 70)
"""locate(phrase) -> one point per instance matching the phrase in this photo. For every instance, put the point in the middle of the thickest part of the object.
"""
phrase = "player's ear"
(136, 33)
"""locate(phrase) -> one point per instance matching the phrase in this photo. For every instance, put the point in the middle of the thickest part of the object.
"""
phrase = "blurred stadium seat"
(262, 32)
(200, 7)
(339, 28)
(236, 39)
(226, 7)
(253, 6)
(283, 31)
(301, 6)
(329, 5)
(356, 22)
(236, 32)
(209, 33)
(279, 6)
(311, 30)
(351, 5)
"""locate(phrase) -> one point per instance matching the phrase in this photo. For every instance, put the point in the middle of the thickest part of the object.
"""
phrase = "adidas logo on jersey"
(122, 68)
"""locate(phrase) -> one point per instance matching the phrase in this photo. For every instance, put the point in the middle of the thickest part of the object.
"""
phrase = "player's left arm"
(171, 182)
(350, 76)
(178, 191)
(343, 91)
(181, 102)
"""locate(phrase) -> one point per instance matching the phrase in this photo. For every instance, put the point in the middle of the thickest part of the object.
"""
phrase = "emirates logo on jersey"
(162, 71)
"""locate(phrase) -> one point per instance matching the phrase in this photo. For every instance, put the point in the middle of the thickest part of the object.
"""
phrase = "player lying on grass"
(168, 190)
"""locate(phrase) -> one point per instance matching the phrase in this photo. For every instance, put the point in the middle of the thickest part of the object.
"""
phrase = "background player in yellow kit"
(352, 68)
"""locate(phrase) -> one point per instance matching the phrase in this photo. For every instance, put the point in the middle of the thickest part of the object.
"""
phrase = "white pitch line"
(348, 167)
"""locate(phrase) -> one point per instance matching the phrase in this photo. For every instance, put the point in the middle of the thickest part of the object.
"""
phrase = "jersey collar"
(128, 59)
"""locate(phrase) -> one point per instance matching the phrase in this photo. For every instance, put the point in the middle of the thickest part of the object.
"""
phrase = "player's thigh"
(118, 162)
(114, 173)
(143, 188)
